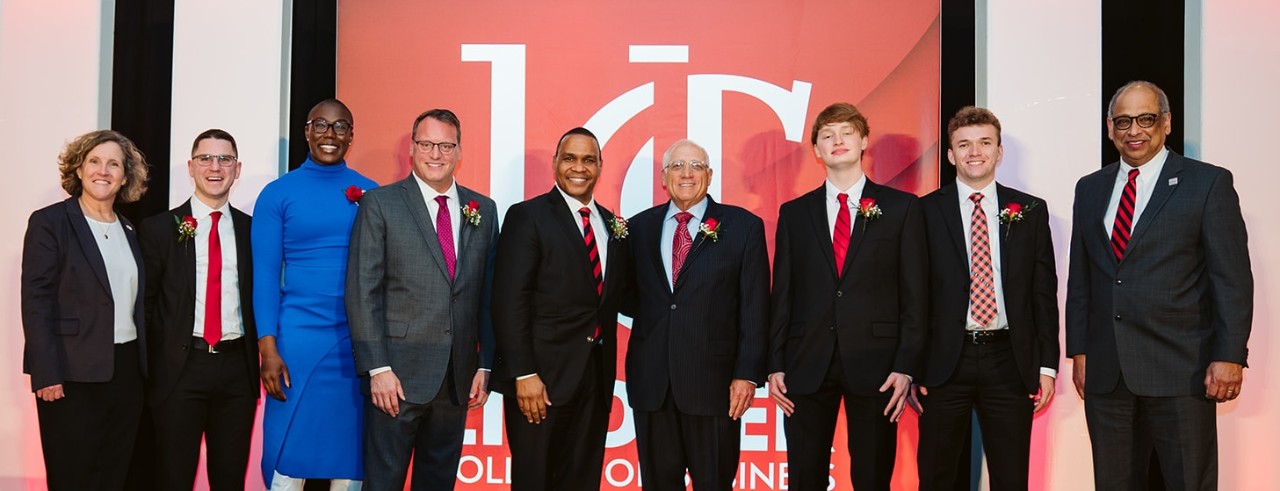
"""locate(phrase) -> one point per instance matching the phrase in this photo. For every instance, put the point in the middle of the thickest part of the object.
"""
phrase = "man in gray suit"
(1159, 301)
(418, 281)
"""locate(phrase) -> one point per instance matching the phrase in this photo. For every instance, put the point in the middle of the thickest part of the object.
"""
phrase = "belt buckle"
(213, 351)
(974, 336)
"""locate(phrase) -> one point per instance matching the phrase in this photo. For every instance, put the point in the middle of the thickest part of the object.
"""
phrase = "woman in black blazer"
(82, 287)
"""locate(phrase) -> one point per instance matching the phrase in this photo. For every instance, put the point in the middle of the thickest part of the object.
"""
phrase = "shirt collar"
(576, 205)
(854, 191)
(698, 210)
(200, 210)
(430, 193)
(988, 191)
(1150, 169)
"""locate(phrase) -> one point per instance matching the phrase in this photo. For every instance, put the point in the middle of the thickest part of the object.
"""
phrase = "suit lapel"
(415, 202)
(88, 244)
(1097, 233)
(1159, 196)
(1005, 230)
(658, 215)
(699, 239)
(466, 233)
(950, 204)
(814, 205)
(244, 256)
(609, 243)
(860, 225)
(185, 251)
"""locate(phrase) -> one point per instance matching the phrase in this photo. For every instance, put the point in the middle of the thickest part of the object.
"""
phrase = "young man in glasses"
(199, 312)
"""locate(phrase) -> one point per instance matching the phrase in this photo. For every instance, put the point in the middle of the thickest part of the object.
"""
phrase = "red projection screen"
(743, 79)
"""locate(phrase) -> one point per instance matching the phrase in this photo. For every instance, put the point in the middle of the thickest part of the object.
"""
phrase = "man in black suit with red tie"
(992, 343)
(848, 314)
(561, 262)
(202, 340)
(1159, 300)
(696, 352)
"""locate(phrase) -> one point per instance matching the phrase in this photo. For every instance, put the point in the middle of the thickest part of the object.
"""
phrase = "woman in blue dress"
(312, 423)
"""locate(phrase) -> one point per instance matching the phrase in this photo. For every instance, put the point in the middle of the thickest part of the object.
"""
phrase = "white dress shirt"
(455, 206)
(232, 322)
(1146, 184)
(833, 204)
(698, 210)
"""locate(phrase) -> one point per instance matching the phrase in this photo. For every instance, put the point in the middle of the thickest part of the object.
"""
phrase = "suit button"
(831, 328)
(446, 331)
(673, 306)
(1119, 281)
(591, 339)
(839, 294)
(1117, 317)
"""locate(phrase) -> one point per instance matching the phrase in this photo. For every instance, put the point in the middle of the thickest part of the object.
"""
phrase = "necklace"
(106, 229)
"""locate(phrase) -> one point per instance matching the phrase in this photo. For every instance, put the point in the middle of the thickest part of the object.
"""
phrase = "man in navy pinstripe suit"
(697, 345)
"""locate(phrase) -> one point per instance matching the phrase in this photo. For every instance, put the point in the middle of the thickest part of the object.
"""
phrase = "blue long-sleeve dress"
(301, 229)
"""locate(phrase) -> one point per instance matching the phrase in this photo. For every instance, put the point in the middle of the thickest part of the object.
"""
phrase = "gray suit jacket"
(404, 311)
(1181, 298)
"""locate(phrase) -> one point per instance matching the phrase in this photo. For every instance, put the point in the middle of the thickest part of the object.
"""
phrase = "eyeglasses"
(425, 146)
(1144, 120)
(693, 165)
(206, 160)
(320, 126)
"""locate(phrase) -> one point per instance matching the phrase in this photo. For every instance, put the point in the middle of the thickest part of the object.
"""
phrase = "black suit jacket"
(171, 298)
(694, 341)
(546, 308)
(1027, 275)
(1181, 298)
(68, 314)
(874, 313)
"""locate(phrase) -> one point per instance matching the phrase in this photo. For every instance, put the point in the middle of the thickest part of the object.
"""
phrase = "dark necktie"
(213, 285)
(444, 232)
(589, 236)
(982, 291)
(1124, 216)
(840, 237)
(680, 244)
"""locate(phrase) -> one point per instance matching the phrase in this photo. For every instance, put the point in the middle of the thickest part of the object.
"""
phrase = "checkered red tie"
(982, 291)
(1124, 216)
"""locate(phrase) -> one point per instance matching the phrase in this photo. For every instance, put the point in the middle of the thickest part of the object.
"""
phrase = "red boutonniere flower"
(868, 209)
(354, 193)
(186, 227)
(710, 229)
(1012, 213)
(471, 213)
(618, 226)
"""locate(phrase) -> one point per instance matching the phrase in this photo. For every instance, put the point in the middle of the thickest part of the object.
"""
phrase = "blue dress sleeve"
(268, 259)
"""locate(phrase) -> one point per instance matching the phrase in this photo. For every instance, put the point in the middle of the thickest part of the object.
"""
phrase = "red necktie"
(213, 287)
(840, 238)
(982, 291)
(444, 232)
(680, 244)
(1124, 216)
(589, 236)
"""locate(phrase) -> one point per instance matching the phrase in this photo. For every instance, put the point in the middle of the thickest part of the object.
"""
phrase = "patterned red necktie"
(593, 253)
(1124, 216)
(213, 285)
(982, 291)
(840, 237)
(680, 244)
(444, 232)
(589, 236)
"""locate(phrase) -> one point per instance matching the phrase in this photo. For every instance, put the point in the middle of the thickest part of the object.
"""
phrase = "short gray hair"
(1162, 100)
(666, 156)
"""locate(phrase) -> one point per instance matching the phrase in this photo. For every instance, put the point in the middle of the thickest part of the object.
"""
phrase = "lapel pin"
(1173, 181)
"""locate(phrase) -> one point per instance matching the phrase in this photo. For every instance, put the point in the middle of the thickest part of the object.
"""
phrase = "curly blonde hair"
(77, 150)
